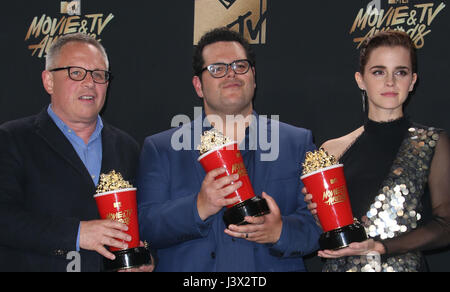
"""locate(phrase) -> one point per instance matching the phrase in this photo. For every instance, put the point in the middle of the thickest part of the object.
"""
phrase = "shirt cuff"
(78, 237)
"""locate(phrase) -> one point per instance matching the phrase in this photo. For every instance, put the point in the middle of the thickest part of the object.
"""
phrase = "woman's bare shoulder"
(338, 146)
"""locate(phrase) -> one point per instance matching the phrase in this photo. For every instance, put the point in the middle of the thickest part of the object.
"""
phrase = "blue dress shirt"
(90, 153)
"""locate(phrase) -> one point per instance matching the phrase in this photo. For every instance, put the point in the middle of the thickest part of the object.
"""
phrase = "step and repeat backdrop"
(306, 52)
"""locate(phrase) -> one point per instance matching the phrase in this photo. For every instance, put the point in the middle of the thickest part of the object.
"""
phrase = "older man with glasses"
(50, 164)
(181, 207)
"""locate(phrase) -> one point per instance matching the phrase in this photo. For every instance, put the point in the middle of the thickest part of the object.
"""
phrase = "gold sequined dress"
(389, 169)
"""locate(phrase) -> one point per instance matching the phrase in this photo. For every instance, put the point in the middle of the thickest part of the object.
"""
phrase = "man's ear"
(254, 75)
(47, 81)
(198, 86)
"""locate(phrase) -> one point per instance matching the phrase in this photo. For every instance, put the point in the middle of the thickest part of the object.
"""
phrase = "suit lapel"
(195, 138)
(52, 135)
(109, 155)
(261, 168)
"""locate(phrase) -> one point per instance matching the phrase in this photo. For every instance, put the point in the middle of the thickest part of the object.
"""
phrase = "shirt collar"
(244, 146)
(65, 128)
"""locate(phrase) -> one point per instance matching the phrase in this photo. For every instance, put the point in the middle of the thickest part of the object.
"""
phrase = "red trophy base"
(342, 237)
(253, 207)
(121, 206)
(127, 259)
(329, 190)
(229, 157)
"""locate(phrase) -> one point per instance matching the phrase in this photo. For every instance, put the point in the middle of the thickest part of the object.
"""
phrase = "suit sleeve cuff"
(78, 237)
(203, 226)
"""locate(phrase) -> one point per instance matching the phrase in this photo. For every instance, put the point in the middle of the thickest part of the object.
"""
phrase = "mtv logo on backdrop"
(71, 8)
(227, 3)
(248, 17)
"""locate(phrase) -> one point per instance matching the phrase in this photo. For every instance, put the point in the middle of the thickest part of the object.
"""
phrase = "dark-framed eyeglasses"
(219, 70)
(79, 73)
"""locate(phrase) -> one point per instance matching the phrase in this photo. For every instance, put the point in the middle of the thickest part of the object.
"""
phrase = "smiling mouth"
(231, 85)
(86, 97)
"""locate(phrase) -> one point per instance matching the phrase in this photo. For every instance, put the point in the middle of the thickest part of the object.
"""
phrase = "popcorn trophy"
(324, 179)
(116, 200)
(217, 150)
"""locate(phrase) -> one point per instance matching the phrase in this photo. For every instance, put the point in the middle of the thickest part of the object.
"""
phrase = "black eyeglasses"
(79, 73)
(219, 70)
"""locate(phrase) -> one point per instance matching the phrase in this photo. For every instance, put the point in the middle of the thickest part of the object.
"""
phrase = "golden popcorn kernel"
(212, 139)
(316, 160)
(112, 181)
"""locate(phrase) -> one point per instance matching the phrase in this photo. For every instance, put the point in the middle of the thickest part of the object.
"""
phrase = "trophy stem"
(342, 237)
(127, 259)
(254, 207)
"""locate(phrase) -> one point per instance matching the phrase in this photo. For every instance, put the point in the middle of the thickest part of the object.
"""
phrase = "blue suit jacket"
(168, 184)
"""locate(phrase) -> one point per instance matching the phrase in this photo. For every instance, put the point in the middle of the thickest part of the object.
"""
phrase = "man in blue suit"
(181, 207)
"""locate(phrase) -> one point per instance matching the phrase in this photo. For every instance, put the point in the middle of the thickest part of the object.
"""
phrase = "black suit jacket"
(45, 191)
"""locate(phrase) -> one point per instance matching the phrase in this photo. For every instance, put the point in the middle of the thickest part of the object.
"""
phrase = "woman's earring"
(364, 97)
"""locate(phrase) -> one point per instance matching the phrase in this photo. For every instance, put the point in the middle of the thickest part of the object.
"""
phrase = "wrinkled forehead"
(81, 53)
(73, 50)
